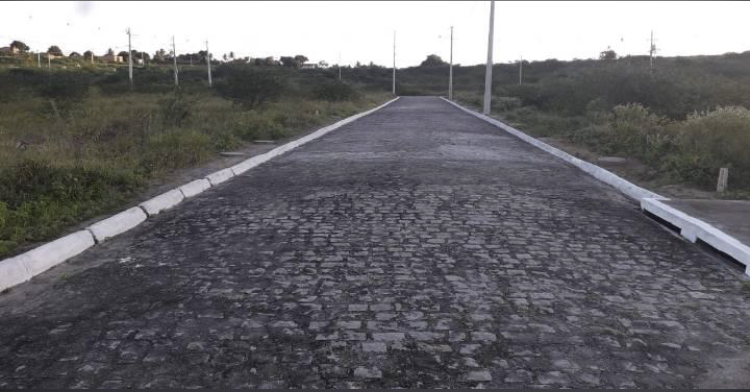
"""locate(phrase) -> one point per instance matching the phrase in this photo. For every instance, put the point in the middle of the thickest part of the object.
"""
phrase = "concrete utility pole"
(208, 62)
(174, 57)
(651, 51)
(394, 63)
(450, 70)
(520, 71)
(39, 60)
(130, 60)
(488, 72)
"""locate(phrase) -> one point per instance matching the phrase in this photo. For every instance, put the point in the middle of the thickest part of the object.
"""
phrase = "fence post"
(721, 186)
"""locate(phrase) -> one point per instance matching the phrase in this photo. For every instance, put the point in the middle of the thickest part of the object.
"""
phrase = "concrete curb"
(195, 187)
(19, 269)
(622, 185)
(693, 229)
(220, 176)
(117, 224)
(22, 267)
(162, 202)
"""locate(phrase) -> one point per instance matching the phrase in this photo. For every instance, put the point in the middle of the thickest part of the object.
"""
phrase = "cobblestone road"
(416, 247)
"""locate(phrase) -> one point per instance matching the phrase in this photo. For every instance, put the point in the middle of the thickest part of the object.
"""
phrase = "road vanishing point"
(418, 246)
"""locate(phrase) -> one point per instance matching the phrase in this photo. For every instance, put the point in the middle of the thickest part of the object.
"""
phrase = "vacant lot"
(78, 143)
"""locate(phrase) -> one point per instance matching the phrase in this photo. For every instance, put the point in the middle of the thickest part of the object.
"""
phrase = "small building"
(111, 58)
(10, 49)
(309, 66)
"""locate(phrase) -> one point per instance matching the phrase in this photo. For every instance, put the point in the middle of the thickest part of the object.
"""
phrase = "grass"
(63, 161)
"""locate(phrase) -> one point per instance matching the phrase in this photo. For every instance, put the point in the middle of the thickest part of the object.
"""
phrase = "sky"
(363, 31)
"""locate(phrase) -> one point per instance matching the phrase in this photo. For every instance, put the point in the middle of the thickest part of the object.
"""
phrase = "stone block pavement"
(415, 247)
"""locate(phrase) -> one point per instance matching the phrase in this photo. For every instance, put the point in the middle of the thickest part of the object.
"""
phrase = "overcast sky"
(363, 31)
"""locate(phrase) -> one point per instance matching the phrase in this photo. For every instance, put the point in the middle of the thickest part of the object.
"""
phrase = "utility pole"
(520, 71)
(208, 62)
(39, 59)
(130, 60)
(651, 51)
(92, 57)
(488, 72)
(174, 57)
(49, 64)
(394, 63)
(450, 70)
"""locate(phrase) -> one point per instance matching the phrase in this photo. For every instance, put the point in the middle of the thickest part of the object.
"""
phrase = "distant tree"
(160, 56)
(110, 52)
(432, 60)
(88, 55)
(288, 61)
(231, 55)
(322, 64)
(124, 55)
(74, 55)
(224, 57)
(55, 50)
(608, 55)
(300, 59)
(22, 47)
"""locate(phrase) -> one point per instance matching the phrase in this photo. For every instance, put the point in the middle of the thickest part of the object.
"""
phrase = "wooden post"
(721, 186)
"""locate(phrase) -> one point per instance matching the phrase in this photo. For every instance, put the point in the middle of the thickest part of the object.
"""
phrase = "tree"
(74, 55)
(608, 55)
(22, 47)
(160, 56)
(322, 64)
(300, 59)
(288, 61)
(110, 52)
(88, 55)
(124, 55)
(432, 61)
(55, 50)
(249, 86)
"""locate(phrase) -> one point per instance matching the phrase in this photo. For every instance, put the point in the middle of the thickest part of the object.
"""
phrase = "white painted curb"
(195, 187)
(624, 186)
(220, 176)
(117, 224)
(22, 267)
(693, 229)
(12, 272)
(162, 202)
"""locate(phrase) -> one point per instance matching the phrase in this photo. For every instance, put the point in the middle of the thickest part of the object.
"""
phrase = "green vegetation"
(78, 142)
(684, 121)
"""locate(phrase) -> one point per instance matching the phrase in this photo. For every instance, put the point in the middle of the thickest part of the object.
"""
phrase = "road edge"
(691, 228)
(603, 175)
(23, 267)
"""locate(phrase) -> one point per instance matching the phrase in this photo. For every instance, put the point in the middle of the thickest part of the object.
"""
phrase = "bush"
(710, 141)
(334, 90)
(64, 87)
(249, 87)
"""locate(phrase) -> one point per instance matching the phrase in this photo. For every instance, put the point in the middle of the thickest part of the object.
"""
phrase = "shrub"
(334, 90)
(712, 140)
(249, 87)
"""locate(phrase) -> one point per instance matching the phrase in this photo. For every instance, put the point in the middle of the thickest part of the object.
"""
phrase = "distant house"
(10, 49)
(111, 58)
(309, 66)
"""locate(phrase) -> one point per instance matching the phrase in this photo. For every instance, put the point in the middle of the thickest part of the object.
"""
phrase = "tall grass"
(70, 154)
